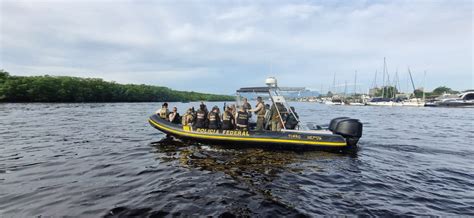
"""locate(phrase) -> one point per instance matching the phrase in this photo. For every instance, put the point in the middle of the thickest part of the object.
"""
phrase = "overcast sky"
(218, 47)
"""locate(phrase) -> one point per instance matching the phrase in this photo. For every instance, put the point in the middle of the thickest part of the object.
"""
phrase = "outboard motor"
(334, 122)
(350, 129)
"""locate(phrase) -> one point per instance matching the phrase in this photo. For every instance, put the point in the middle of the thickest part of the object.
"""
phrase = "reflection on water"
(255, 167)
(105, 159)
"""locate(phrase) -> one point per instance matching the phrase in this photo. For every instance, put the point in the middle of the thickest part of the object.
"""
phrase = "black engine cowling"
(348, 127)
(335, 121)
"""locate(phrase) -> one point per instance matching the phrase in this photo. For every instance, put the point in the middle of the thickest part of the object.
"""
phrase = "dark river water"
(106, 160)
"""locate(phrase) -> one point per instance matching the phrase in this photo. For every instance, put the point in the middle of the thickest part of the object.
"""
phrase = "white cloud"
(303, 42)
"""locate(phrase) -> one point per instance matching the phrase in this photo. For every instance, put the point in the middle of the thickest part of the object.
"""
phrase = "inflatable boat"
(341, 133)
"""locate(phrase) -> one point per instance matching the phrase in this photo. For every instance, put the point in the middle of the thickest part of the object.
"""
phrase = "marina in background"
(388, 94)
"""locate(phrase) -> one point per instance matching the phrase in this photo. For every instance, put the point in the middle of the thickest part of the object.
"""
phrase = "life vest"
(227, 120)
(201, 119)
(213, 120)
(291, 121)
(164, 113)
(261, 112)
(242, 119)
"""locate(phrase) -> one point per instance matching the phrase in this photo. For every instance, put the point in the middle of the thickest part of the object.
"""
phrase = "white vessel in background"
(465, 99)
(380, 102)
(412, 102)
(356, 104)
(333, 102)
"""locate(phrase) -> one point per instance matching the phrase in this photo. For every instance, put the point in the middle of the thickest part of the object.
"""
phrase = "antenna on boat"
(271, 82)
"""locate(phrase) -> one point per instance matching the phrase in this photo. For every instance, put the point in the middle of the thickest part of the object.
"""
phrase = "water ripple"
(104, 159)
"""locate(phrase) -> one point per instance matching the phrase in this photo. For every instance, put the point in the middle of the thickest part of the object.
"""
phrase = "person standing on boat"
(275, 120)
(163, 112)
(233, 109)
(260, 112)
(228, 119)
(242, 119)
(246, 105)
(201, 117)
(267, 117)
(214, 118)
(174, 116)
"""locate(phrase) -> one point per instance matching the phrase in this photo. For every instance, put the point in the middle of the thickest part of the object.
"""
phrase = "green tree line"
(75, 89)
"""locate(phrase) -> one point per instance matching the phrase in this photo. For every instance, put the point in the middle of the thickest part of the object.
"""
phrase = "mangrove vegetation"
(74, 89)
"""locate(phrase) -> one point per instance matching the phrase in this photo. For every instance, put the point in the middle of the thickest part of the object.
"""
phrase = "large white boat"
(412, 102)
(380, 102)
(465, 99)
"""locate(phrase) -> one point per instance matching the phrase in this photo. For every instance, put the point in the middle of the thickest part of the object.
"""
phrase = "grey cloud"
(208, 46)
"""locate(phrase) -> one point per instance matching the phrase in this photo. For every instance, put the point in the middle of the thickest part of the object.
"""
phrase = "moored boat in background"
(465, 99)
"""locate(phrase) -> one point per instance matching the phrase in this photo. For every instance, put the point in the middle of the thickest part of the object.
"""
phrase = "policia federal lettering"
(225, 132)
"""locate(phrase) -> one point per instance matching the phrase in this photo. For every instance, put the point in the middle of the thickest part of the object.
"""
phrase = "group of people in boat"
(272, 118)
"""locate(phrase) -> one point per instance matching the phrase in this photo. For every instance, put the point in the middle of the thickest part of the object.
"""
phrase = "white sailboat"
(354, 103)
(381, 101)
(414, 102)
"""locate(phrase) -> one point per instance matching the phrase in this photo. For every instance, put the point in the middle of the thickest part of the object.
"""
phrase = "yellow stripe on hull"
(233, 138)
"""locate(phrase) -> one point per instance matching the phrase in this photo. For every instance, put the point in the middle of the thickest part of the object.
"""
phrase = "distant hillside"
(75, 89)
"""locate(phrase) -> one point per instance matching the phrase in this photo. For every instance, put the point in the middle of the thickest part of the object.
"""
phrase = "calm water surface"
(105, 160)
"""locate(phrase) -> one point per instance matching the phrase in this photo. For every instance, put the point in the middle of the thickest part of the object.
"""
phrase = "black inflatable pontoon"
(341, 133)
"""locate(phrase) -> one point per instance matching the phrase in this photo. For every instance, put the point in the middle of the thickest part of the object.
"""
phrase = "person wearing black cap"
(201, 117)
(163, 112)
(228, 121)
(214, 118)
(242, 119)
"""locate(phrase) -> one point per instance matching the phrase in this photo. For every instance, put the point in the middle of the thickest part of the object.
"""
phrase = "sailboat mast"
(412, 83)
(424, 85)
(383, 78)
(375, 79)
(355, 83)
(345, 89)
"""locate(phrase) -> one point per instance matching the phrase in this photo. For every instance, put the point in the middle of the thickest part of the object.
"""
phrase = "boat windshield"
(274, 95)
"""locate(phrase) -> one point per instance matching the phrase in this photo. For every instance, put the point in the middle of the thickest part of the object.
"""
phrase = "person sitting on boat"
(228, 121)
(163, 112)
(188, 117)
(205, 107)
(291, 121)
(201, 117)
(214, 118)
(260, 112)
(174, 116)
(242, 119)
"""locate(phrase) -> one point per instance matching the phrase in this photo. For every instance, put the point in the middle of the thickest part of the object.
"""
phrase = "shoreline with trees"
(66, 89)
